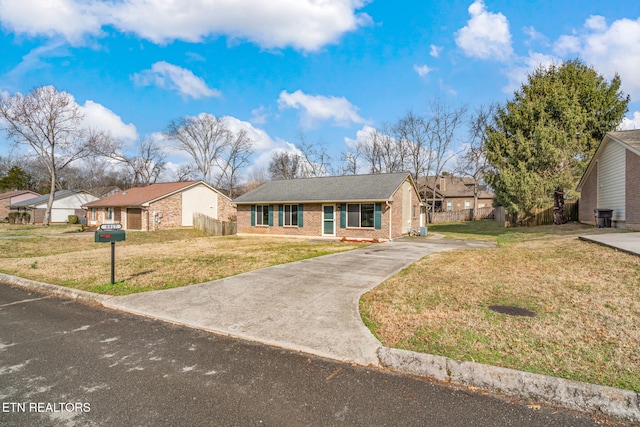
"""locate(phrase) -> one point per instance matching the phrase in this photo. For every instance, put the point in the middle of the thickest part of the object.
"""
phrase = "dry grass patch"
(587, 300)
(149, 261)
(36, 230)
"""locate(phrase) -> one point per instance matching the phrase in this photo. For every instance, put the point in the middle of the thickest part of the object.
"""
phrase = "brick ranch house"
(164, 205)
(11, 197)
(611, 181)
(359, 207)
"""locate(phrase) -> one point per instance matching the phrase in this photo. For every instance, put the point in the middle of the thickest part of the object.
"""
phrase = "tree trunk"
(474, 212)
(47, 212)
(558, 206)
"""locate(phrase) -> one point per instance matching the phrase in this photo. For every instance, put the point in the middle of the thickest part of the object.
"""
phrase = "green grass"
(493, 231)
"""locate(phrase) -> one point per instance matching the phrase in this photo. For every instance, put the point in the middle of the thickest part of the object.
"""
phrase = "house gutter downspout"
(390, 205)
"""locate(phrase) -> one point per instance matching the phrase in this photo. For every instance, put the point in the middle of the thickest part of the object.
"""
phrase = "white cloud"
(362, 136)
(631, 124)
(259, 115)
(524, 66)
(535, 36)
(172, 77)
(567, 45)
(614, 49)
(596, 23)
(97, 116)
(422, 70)
(302, 24)
(316, 108)
(69, 19)
(262, 141)
(486, 35)
(435, 50)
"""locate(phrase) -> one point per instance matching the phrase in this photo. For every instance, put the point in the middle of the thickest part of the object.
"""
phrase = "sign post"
(111, 233)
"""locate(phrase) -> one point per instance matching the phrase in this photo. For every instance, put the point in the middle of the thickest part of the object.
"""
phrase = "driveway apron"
(309, 306)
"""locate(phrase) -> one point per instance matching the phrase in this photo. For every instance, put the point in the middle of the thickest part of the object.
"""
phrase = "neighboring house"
(367, 207)
(453, 193)
(65, 203)
(11, 197)
(612, 179)
(164, 205)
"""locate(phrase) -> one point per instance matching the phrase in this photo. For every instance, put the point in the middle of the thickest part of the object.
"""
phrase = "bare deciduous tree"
(145, 166)
(284, 165)
(204, 138)
(314, 159)
(381, 152)
(185, 172)
(413, 133)
(444, 123)
(50, 123)
(473, 164)
(238, 156)
(217, 152)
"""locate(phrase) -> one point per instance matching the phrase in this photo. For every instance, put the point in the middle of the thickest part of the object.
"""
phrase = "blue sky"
(326, 69)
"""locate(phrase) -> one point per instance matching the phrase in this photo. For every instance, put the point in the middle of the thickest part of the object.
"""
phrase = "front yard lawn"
(587, 300)
(148, 260)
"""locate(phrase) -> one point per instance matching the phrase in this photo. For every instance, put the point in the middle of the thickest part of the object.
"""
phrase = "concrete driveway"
(309, 306)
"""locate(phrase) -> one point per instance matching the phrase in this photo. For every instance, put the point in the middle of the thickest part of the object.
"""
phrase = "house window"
(262, 215)
(360, 215)
(467, 204)
(110, 214)
(449, 206)
(93, 214)
(290, 215)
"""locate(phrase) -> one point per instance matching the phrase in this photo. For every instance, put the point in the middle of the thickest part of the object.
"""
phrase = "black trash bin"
(603, 217)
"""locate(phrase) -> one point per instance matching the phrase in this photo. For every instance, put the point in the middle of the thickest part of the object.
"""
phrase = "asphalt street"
(64, 363)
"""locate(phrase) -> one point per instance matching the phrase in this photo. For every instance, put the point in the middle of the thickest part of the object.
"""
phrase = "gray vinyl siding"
(611, 180)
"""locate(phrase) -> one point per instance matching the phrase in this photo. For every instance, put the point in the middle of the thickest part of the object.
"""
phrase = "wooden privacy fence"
(541, 217)
(214, 226)
(459, 216)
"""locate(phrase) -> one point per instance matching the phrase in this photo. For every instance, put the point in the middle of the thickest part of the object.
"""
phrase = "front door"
(328, 220)
(134, 219)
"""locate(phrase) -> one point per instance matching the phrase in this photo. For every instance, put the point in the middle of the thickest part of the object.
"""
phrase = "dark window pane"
(366, 215)
(294, 214)
(353, 215)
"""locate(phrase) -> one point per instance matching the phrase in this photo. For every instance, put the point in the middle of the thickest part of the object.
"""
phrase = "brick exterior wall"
(226, 209)
(589, 198)
(632, 192)
(313, 222)
(4, 208)
(171, 210)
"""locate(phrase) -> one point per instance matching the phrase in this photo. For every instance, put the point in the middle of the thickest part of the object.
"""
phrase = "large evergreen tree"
(15, 179)
(541, 140)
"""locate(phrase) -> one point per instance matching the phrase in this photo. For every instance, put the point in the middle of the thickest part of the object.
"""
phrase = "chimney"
(442, 183)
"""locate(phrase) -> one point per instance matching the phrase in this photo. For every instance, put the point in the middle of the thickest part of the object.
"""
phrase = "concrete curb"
(61, 291)
(574, 395)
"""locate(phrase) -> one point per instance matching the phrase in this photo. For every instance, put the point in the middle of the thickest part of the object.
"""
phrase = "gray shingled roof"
(349, 188)
(629, 137)
(43, 199)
